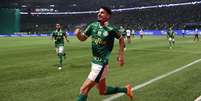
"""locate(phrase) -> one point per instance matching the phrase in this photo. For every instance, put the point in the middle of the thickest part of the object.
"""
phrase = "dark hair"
(107, 9)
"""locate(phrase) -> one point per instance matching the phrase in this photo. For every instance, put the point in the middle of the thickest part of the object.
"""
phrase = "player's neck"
(103, 23)
(58, 29)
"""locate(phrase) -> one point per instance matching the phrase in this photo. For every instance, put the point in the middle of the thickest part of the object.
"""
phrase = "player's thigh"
(98, 72)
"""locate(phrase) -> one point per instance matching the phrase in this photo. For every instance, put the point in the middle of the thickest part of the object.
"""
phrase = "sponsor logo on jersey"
(105, 33)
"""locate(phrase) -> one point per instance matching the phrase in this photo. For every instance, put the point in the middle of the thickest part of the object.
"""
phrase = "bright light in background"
(52, 5)
(24, 6)
(114, 10)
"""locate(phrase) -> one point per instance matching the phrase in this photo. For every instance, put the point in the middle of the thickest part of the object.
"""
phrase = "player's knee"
(82, 90)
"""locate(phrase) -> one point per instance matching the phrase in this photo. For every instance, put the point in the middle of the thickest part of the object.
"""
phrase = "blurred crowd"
(156, 18)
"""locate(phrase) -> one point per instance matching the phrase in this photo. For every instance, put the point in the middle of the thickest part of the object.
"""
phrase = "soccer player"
(171, 37)
(196, 35)
(123, 32)
(133, 33)
(128, 34)
(58, 37)
(183, 32)
(103, 35)
(141, 34)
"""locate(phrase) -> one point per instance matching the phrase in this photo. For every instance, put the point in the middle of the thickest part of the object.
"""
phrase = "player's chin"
(99, 19)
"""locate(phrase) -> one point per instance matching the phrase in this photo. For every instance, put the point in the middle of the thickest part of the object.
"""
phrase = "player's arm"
(174, 33)
(121, 51)
(52, 36)
(167, 35)
(79, 35)
(66, 37)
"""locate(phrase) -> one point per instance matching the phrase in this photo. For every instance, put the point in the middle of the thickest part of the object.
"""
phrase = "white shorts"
(98, 72)
(60, 49)
(171, 39)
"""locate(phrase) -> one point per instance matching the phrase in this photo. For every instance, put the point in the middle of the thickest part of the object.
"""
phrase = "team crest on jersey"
(105, 33)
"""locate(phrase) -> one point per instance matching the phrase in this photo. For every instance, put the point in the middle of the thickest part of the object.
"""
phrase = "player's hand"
(77, 31)
(120, 60)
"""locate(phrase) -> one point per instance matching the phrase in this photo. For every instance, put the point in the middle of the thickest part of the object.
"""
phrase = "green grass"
(28, 69)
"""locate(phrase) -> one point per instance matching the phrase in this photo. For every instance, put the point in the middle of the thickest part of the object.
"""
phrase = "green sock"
(64, 55)
(60, 58)
(82, 97)
(170, 43)
(114, 90)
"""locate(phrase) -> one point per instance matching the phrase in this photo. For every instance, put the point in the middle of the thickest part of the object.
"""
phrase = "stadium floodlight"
(114, 10)
(24, 6)
(51, 5)
(24, 13)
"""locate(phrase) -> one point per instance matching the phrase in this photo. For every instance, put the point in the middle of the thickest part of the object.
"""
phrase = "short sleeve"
(52, 34)
(88, 30)
(64, 34)
(116, 32)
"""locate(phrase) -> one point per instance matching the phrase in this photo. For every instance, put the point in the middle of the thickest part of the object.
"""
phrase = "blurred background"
(40, 16)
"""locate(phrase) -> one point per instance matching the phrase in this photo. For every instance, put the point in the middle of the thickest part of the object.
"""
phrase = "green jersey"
(122, 31)
(58, 37)
(170, 33)
(102, 41)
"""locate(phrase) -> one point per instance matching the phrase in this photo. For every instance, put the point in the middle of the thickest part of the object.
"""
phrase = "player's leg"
(129, 39)
(64, 55)
(173, 41)
(194, 38)
(57, 50)
(93, 77)
(170, 42)
(108, 90)
(141, 36)
(84, 90)
(197, 37)
(124, 44)
(60, 54)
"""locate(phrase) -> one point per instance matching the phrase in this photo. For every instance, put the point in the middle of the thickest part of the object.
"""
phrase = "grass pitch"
(28, 69)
